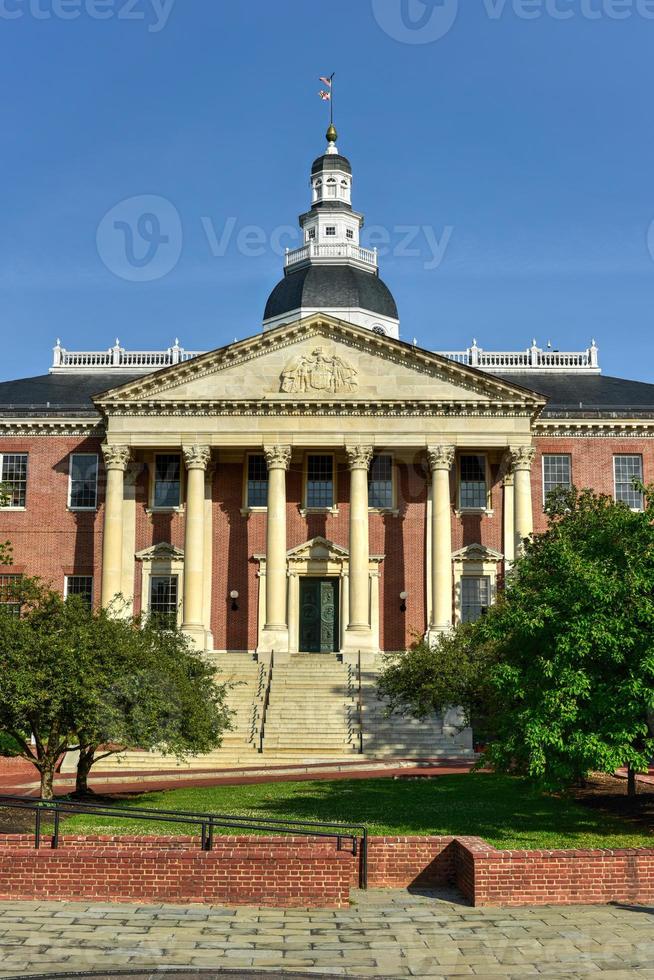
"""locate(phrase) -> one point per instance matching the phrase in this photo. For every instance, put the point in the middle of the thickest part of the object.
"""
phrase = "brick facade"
(52, 542)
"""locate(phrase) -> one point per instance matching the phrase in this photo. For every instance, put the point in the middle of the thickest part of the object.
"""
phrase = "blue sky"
(519, 133)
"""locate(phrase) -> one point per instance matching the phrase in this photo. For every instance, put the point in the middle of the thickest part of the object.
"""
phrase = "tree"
(432, 677)
(77, 678)
(563, 666)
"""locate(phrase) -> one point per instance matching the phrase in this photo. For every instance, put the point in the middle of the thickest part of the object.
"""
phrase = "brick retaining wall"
(288, 872)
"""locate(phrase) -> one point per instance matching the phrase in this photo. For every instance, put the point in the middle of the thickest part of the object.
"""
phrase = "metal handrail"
(207, 822)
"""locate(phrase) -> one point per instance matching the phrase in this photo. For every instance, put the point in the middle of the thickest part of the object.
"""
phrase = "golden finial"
(332, 135)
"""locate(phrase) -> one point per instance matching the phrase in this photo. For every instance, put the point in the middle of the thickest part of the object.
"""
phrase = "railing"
(355, 834)
(532, 359)
(344, 250)
(266, 701)
(118, 357)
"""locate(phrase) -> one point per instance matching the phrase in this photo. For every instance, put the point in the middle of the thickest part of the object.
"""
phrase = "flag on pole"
(327, 81)
(325, 96)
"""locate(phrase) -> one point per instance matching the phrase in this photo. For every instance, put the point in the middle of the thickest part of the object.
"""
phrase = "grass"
(506, 811)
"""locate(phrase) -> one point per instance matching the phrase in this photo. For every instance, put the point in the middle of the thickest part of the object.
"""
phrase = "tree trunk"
(632, 782)
(47, 778)
(84, 764)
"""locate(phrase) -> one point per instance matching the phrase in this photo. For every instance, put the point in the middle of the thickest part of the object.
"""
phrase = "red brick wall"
(238, 871)
(51, 542)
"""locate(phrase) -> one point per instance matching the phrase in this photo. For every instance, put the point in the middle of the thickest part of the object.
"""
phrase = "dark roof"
(331, 287)
(587, 395)
(58, 393)
(331, 161)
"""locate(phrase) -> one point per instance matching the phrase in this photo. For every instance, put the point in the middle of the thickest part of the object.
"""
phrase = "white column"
(293, 612)
(196, 459)
(522, 457)
(274, 638)
(441, 459)
(116, 459)
(359, 635)
(509, 520)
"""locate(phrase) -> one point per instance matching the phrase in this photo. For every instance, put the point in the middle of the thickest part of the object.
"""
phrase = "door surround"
(319, 558)
(312, 584)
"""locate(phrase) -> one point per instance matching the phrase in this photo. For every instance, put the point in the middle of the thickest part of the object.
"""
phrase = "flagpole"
(331, 101)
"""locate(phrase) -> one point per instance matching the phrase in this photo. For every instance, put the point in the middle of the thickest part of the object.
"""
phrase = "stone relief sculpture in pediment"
(319, 371)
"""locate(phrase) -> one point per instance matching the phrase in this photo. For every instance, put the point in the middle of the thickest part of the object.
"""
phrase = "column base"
(197, 636)
(434, 633)
(359, 641)
(274, 639)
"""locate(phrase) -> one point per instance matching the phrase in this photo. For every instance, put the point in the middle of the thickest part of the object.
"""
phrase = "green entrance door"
(319, 615)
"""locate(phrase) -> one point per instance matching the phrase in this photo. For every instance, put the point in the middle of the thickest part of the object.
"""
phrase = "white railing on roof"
(532, 359)
(335, 250)
(117, 358)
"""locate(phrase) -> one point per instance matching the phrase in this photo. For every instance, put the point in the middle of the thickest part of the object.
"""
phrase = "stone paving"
(383, 934)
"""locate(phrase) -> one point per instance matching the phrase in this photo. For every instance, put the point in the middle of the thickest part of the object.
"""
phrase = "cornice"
(608, 428)
(324, 407)
(51, 427)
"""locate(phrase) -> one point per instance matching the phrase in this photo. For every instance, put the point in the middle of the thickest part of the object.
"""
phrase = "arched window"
(331, 187)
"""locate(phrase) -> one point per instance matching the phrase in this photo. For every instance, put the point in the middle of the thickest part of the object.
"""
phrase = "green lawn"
(504, 810)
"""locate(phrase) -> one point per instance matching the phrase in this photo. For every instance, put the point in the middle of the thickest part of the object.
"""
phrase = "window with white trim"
(257, 489)
(330, 231)
(627, 471)
(79, 585)
(475, 597)
(331, 187)
(13, 479)
(349, 234)
(380, 483)
(167, 480)
(557, 472)
(320, 481)
(83, 481)
(473, 489)
(164, 597)
(311, 234)
(9, 600)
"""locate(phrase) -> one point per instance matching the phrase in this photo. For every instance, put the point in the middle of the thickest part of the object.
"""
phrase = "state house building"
(312, 496)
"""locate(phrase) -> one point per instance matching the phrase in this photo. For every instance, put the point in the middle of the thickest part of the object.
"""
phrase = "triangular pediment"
(318, 549)
(160, 552)
(316, 360)
(477, 552)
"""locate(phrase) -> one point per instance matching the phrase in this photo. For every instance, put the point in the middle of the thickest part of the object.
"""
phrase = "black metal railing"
(354, 836)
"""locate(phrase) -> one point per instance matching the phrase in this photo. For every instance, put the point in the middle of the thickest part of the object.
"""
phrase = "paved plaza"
(383, 934)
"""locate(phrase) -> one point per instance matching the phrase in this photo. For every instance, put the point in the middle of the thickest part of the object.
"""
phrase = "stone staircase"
(312, 710)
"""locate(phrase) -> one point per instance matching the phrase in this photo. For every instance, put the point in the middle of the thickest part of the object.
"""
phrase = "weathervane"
(327, 95)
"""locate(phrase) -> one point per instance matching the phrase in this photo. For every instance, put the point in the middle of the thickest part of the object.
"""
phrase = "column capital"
(277, 457)
(116, 457)
(522, 457)
(441, 457)
(196, 457)
(509, 479)
(359, 457)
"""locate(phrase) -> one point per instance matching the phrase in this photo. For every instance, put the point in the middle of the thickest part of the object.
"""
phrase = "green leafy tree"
(430, 678)
(100, 682)
(561, 670)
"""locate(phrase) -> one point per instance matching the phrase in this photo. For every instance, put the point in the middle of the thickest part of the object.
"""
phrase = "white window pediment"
(160, 552)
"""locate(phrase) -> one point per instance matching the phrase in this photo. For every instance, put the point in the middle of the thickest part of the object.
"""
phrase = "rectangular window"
(81, 585)
(330, 231)
(13, 478)
(311, 234)
(627, 471)
(9, 601)
(257, 482)
(475, 597)
(557, 472)
(320, 481)
(380, 483)
(472, 489)
(349, 234)
(83, 490)
(167, 481)
(163, 600)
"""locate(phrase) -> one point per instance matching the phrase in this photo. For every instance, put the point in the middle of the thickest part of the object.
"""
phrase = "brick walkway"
(383, 934)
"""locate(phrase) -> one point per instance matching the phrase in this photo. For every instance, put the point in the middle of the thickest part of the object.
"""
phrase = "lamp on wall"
(403, 598)
(234, 597)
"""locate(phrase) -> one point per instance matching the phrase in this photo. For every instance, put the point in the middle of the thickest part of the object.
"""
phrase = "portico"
(310, 393)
